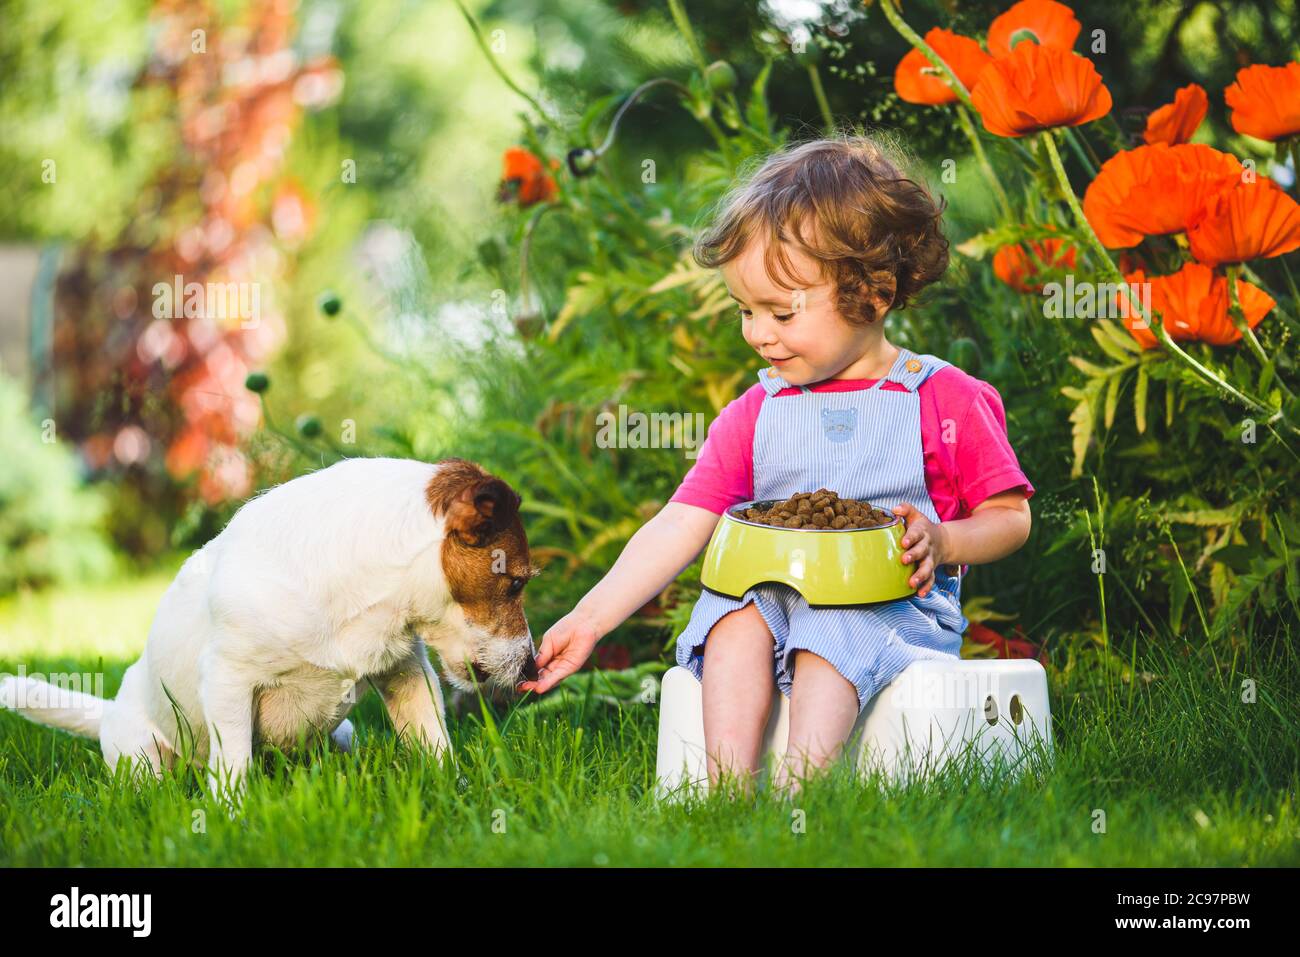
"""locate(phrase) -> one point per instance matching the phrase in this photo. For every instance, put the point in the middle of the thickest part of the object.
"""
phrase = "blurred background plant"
(476, 244)
(50, 525)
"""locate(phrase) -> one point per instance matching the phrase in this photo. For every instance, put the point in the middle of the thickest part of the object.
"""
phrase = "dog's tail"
(53, 706)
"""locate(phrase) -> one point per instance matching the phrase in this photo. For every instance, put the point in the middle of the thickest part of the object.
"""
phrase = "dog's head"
(484, 634)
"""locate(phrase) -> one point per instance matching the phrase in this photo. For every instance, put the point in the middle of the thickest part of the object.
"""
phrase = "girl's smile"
(799, 330)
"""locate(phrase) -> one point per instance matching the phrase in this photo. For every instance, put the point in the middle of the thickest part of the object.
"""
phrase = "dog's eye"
(517, 585)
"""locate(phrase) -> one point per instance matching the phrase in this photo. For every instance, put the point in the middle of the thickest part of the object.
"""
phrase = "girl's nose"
(763, 330)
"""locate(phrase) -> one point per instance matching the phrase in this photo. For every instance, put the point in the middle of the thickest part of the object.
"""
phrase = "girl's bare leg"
(823, 711)
(739, 682)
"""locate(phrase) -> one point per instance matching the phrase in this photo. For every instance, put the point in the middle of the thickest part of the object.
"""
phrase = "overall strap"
(911, 369)
(773, 383)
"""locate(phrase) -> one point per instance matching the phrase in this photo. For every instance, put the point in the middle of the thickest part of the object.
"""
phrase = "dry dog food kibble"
(819, 509)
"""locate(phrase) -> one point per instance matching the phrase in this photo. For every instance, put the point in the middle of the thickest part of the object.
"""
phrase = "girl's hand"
(565, 648)
(926, 544)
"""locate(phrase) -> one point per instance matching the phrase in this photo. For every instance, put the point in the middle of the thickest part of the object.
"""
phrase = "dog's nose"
(530, 668)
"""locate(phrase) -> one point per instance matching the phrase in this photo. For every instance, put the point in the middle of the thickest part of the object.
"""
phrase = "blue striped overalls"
(864, 445)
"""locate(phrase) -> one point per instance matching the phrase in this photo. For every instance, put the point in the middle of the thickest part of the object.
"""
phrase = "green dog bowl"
(827, 566)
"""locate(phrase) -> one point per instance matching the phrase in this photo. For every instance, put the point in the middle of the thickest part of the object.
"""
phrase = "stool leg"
(680, 754)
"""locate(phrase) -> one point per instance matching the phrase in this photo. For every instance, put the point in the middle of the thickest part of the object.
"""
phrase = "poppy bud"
(582, 161)
(308, 426)
(257, 382)
(329, 303)
(720, 76)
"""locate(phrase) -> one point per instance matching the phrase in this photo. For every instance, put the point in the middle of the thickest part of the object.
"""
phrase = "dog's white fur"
(275, 626)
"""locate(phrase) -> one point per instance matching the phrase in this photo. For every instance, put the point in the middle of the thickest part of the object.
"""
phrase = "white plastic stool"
(925, 717)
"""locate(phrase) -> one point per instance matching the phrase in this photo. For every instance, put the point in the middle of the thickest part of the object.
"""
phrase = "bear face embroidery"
(838, 424)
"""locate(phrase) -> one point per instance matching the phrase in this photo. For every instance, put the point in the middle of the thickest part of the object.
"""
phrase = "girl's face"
(801, 333)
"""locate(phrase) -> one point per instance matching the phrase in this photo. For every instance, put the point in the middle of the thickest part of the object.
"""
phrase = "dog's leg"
(413, 697)
(227, 696)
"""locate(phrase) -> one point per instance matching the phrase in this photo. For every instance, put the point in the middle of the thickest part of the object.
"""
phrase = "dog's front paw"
(342, 736)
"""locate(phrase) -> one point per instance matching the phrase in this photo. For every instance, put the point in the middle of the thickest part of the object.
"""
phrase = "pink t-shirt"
(975, 463)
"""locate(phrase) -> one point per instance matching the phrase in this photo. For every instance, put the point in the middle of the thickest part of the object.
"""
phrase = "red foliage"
(128, 352)
(1018, 647)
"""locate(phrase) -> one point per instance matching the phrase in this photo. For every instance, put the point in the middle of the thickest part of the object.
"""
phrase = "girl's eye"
(786, 317)
(744, 313)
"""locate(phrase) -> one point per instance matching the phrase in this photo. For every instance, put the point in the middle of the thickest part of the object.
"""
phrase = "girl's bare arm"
(652, 558)
(996, 527)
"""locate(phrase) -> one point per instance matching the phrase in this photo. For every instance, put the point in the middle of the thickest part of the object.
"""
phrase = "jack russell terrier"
(316, 587)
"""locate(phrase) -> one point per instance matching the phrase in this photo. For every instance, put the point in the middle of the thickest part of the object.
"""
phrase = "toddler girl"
(815, 248)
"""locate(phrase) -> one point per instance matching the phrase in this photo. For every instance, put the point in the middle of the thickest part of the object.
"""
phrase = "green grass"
(1184, 772)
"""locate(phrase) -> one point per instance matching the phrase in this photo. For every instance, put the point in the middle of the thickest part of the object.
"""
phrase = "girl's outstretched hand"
(925, 543)
(565, 648)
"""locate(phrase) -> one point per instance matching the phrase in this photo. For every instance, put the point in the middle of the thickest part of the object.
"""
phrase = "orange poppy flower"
(1193, 305)
(1265, 101)
(1176, 122)
(1035, 88)
(1052, 25)
(1020, 265)
(1155, 190)
(917, 81)
(1254, 220)
(525, 180)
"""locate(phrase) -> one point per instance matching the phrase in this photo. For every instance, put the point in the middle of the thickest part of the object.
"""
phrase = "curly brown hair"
(844, 201)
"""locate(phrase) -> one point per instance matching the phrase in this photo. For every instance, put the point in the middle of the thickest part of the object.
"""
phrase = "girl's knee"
(746, 622)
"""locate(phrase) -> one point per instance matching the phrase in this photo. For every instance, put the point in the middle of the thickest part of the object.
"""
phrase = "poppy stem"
(1295, 297)
(1247, 333)
(683, 23)
(1083, 151)
(525, 246)
(288, 438)
(500, 71)
(1290, 280)
(822, 103)
(968, 127)
(635, 95)
(912, 37)
(1113, 274)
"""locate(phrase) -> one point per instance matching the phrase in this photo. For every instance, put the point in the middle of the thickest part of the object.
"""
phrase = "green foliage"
(605, 309)
(50, 525)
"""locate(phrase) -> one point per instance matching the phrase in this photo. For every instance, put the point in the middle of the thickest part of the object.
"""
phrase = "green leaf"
(1082, 419)
(681, 275)
(1112, 400)
(1121, 337)
(1140, 400)
(991, 240)
(756, 111)
(582, 297)
(1087, 368)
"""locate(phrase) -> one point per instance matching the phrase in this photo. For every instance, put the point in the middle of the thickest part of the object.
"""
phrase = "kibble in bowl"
(834, 551)
(820, 509)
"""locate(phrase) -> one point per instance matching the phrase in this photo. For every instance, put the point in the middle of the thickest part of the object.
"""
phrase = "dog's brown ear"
(482, 510)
